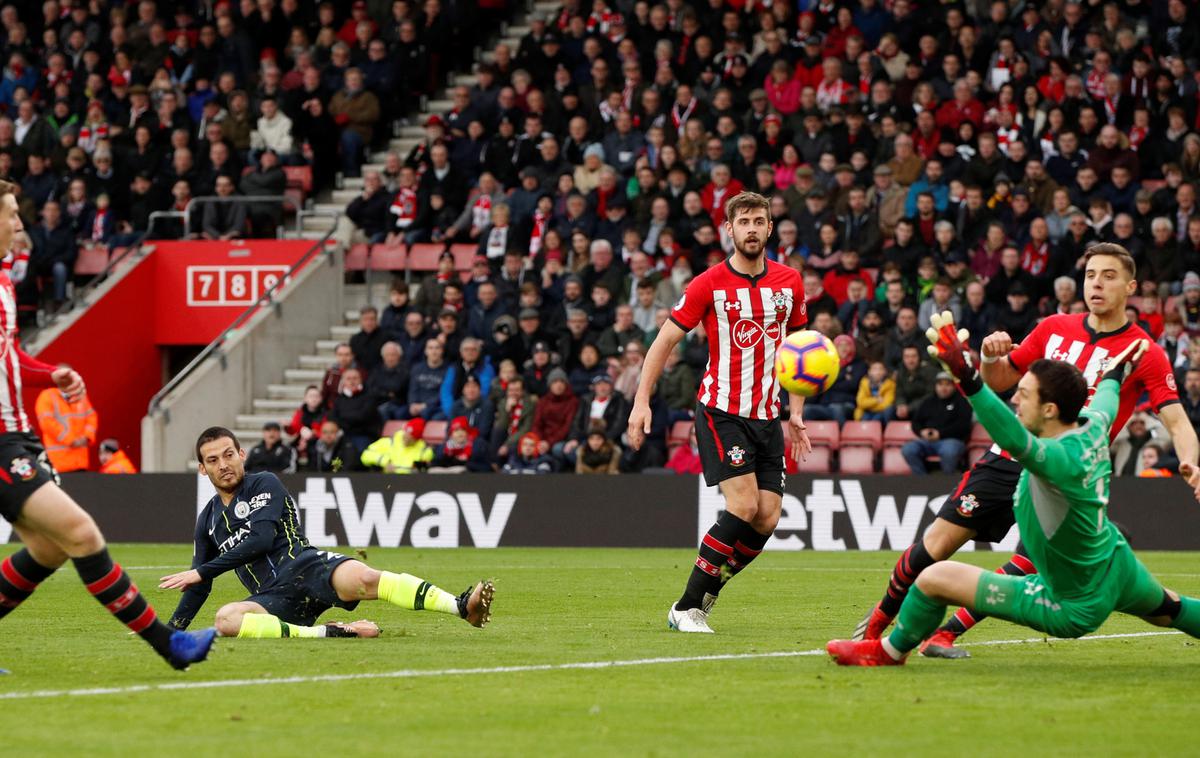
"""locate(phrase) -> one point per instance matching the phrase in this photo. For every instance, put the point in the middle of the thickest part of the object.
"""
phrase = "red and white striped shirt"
(746, 318)
(14, 360)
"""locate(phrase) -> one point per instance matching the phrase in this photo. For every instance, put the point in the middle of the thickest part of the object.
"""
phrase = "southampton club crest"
(967, 505)
(781, 301)
(737, 456)
(23, 469)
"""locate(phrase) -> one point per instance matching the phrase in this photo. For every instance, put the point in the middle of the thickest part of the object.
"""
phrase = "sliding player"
(748, 305)
(251, 527)
(52, 526)
(981, 507)
(1087, 570)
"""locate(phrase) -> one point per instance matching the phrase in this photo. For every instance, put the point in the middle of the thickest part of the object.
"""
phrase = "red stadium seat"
(862, 434)
(822, 434)
(424, 256)
(356, 257)
(385, 258)
(1135, 302)
(435, 432)
(819, 461)
(1153, 184)
(464, 256)
(1172, 304)
(974, 454)
(979, 436)
(856, 459)
(392, 428)
(681, 432)
(894, 463)
(897, 433)
(91, 261)
(299, 177)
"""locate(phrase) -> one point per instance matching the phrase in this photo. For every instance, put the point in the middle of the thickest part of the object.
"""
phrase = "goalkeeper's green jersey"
(1061, 501)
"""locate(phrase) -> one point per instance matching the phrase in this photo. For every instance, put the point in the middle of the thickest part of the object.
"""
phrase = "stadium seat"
(862, 434)
(424, 256)
(894, 463)
(978, 443)
(680, 433)
(392, 428)
(897, 433)
(822, 434)
(819, 461)
(1172, 303)
(356, 257)
(91, 261)
(299, 177)
(1153, 184)
(385, 258)
(1135, 302)
(856, 459)
(464, 256)
(435, 432)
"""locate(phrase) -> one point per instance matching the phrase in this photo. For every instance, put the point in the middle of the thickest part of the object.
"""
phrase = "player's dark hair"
(213, 433)
(1116, 251)
(746, 202)
(1063, 384)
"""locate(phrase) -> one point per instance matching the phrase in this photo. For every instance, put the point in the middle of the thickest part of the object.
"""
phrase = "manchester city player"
(251, 527)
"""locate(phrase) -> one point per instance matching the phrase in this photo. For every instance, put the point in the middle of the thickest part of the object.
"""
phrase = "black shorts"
(983, 501)
(24, 468)
(305, 590)
(732, 446)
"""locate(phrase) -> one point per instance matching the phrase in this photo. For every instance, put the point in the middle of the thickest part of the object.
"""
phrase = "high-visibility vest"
(63, 421)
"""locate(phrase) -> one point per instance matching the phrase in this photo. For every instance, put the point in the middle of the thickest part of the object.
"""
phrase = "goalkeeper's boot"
(872, 626)
(475, 604)
(861, 653)
(692, 620)
(941, 645)
(363, 629)
(190, 647)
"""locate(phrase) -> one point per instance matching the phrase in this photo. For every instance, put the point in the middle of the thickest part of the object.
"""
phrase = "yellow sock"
(265, 626)
(415, 594)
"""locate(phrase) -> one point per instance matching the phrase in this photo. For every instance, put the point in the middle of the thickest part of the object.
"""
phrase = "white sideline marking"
(425, 673)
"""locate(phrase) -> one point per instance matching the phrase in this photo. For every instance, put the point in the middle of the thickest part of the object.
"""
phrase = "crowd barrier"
(819, 512)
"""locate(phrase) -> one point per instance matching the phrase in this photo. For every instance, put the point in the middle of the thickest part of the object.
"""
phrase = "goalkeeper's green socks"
(919, 617)
(265, 626)
(415, 594)
(1188, 620)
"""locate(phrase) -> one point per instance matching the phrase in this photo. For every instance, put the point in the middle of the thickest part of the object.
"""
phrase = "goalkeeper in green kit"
(1086, 569)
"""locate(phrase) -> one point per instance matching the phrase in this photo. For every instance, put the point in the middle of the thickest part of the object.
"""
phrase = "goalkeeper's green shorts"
(1128, 587)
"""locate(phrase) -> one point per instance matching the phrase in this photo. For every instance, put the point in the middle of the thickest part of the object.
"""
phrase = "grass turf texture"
(565, 606)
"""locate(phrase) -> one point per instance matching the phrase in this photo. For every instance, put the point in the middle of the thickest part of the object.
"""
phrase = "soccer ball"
(807, 363)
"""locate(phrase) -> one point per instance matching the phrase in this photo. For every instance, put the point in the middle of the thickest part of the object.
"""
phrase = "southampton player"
(981, 506)
(1086, 568)
(251, 527)
(51, 525)
(748, 305)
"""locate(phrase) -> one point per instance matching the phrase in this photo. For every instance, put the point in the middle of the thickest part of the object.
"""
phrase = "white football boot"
(691, 620)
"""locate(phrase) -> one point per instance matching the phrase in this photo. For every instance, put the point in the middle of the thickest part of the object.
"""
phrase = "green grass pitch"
(1126, 695)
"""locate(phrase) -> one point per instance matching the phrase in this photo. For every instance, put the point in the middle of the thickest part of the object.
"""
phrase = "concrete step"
(343, 333)
(439, 106)
(463, 80)
(305, 375)
(344, 197)
(248, 437)
(352, 182)
(403, 145)
(249, 421)
(516, 31)
(329, 207)
(315, 362)
(327, 346)
(376, 164)
(293, 393)
(318, 223)
(270, 405)
(414, 131)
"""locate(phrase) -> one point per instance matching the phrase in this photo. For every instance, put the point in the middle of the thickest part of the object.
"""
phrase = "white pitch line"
(427, 673)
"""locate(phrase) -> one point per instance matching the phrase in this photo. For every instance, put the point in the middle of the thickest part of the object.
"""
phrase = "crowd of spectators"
(115, 109)
(919, 157)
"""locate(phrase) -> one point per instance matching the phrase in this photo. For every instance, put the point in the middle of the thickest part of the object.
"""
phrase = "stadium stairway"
(404, 140)
(285, 397)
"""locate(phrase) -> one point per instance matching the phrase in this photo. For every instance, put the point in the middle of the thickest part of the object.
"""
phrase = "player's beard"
(755, 250)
